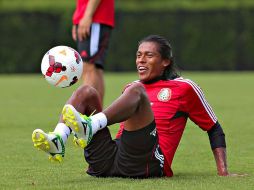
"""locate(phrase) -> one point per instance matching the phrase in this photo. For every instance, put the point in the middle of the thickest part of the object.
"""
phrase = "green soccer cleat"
(50, 143)
(80, 124)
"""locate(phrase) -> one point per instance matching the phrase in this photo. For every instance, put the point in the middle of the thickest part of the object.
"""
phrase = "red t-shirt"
(173, 102)
(104, 13)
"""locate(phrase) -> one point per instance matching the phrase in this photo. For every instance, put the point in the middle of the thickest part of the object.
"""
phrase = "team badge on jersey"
(164, 95)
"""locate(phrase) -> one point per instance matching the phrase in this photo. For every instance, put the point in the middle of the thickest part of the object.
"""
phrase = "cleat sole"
(74, 120)
(70, 119)
(79, 142)
(41, 142)
(56, 158)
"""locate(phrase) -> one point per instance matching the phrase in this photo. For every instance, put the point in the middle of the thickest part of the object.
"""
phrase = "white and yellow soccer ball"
(62, 66)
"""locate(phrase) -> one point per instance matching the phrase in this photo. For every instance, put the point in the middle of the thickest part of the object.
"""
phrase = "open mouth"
(142, 69)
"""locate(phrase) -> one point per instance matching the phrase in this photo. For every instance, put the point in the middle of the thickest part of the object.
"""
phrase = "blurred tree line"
(203, 38)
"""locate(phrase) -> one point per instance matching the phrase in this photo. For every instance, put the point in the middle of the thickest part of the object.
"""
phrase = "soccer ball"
(62, 66)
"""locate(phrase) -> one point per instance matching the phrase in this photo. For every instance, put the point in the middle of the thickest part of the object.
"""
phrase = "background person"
(93, 21)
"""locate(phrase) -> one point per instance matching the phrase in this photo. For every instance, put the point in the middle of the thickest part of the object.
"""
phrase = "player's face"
(149, 61)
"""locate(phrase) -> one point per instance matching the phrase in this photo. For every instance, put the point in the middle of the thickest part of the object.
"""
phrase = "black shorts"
(136, 154)
(94, 48)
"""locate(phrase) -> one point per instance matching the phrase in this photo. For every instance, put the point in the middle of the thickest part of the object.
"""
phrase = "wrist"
(223, 173)
(86, 19)
(221, 161)
(88, 16)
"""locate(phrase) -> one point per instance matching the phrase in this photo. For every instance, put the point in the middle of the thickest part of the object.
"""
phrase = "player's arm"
(87, 19)
(201, 113)
(218, 145)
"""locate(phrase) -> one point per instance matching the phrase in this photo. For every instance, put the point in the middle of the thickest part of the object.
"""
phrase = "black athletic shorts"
(94, 48)
(136, 154)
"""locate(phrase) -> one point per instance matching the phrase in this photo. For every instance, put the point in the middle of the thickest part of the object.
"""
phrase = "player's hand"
(84, 28)
(74, 32)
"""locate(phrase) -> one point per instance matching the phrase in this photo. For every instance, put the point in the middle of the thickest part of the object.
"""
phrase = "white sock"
(62, 130)
(99, 121)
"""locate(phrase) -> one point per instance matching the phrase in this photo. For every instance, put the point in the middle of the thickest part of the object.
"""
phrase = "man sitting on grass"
(153, 112)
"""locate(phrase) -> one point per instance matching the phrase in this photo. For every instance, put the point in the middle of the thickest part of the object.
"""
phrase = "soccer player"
(153, 112)
(93, 21)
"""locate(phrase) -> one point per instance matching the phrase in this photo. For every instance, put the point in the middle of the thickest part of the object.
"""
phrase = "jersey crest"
(164, 95)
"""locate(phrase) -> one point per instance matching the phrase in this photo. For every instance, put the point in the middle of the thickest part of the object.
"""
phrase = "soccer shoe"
(50, 143)
(78, 142)
(80, 124)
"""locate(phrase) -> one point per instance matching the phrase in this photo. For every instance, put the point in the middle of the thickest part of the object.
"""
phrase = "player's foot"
(51, 143)
(80, 124)
(78, 142)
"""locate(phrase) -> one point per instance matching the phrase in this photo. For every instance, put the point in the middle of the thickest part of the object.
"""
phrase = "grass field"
(28, 102)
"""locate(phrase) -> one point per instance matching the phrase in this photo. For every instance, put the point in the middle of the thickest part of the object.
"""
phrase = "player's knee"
(85, 92)
(137, 89)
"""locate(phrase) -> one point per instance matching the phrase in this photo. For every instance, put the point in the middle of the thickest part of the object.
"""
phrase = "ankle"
(99, 121)
(62, 130)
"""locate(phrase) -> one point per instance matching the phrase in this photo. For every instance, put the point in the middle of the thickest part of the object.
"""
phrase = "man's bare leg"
(93, 76)
(86, 100)
(132, 106)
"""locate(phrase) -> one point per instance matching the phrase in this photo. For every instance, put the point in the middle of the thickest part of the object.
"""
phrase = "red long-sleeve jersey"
(173, 102)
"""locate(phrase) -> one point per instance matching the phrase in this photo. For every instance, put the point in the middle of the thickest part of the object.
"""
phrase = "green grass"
(28, 102)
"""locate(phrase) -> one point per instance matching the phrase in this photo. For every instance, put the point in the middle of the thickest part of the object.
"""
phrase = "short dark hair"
(165, 50)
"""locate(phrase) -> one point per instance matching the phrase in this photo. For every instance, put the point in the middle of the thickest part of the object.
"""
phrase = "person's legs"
(86, 100)
(132, 107)
(93, 52)
(93, 76)
(101, 150)
(138, 153)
